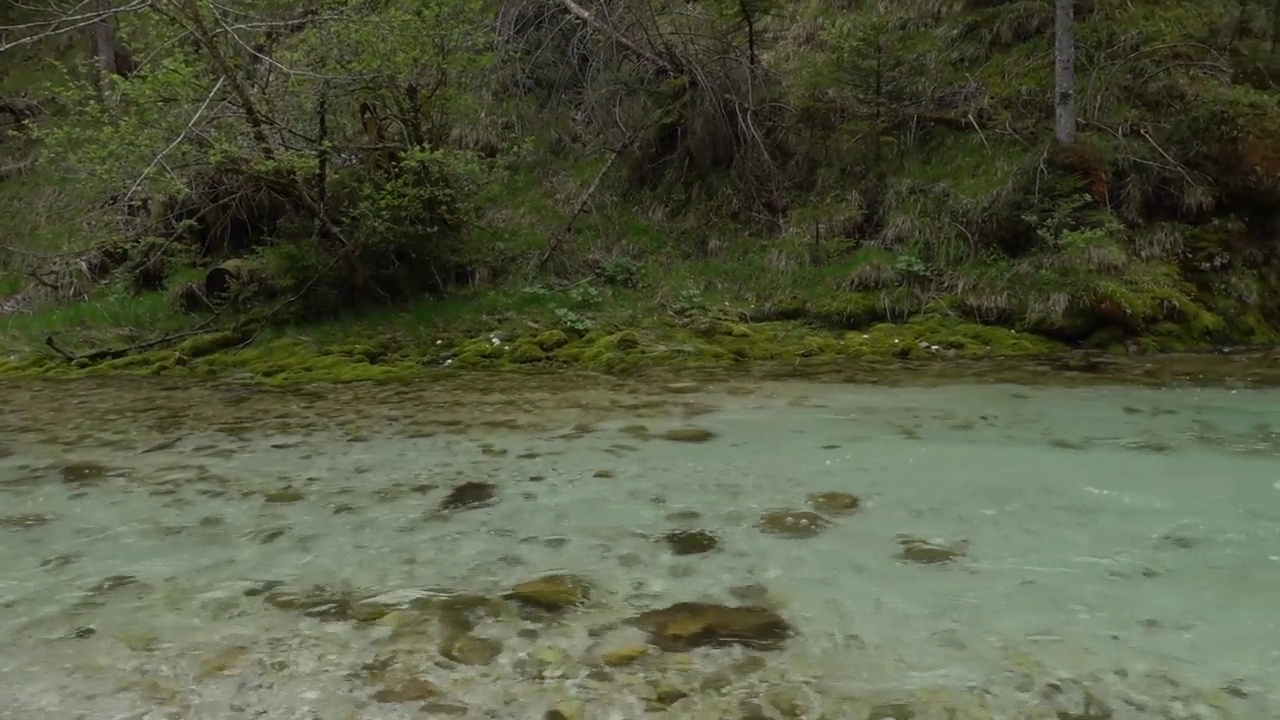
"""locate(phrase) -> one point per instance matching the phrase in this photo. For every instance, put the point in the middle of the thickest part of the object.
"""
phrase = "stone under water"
(531, 547)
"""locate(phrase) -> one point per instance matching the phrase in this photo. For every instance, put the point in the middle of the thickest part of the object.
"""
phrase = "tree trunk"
(1064, 96)
(105, 47)
(1275, 25)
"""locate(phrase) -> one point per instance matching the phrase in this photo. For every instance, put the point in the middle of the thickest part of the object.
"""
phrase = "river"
(588, 548)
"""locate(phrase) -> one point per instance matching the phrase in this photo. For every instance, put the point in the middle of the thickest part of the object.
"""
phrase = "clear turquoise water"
(1122, 548)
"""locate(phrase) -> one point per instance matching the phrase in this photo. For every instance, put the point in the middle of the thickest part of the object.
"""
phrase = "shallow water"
(1115, 551)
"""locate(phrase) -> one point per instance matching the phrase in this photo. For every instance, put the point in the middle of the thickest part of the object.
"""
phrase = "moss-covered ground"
(527, 329)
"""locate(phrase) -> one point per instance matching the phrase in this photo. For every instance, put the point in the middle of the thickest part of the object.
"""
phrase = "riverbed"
(583, 548)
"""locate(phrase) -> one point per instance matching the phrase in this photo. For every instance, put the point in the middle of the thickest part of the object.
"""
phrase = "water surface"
(220, 551)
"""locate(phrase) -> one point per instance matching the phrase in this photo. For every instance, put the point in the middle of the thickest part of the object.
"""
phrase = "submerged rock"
(411, 689)
(470, 494)
(623, 656)
(635, 431)
(688, 625)
(112, 582)
(450, 709)
(892, 711)
(1073, 700)
(791, 701)
(757, 595)
(262, 587)
(924, 552)
(691, 542)
(551, 592)
(792, 523)
(471, 649)
(267, 535)
(618, 645)
(663, 693)
(688, 435)
(286, 494)
(57, 562)
(25, 521)
(459, 613)
(327, 603)
(836, 503)
(220, 662)
(84, 473)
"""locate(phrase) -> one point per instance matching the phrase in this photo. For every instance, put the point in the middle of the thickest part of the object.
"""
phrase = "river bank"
(910, 353)
(584, 329)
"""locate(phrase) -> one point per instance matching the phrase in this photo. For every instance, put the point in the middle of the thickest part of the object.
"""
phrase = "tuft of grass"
(107, 321)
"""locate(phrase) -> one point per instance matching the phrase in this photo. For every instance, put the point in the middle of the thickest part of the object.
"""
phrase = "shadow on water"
(1078, 540)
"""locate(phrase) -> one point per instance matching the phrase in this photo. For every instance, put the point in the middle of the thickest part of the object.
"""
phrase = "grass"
(91, 324)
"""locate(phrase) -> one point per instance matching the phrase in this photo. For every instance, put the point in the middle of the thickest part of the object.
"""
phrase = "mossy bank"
(369, 352)
(584, 329)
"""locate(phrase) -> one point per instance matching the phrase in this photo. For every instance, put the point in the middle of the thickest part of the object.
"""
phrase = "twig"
(580, 206)
(181, 136)
(9, 171)
(585, 16)
(79, 21)
(115, 353)
(266, 319)
(1179, 166)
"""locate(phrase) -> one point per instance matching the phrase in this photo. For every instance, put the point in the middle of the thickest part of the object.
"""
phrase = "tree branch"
(78, 22)
(176, 141)
(115, 353)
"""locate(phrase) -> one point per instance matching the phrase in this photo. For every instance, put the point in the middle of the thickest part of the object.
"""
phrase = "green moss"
(293, 361)
(789, 308)
(526, 352)
(210, 343)
(617, 352)
(852, 310)
(551, 340)
(362, 351)
(479, 352)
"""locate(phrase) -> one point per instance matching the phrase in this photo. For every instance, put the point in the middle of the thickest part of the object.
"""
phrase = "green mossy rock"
(551, 340)
(210, 343)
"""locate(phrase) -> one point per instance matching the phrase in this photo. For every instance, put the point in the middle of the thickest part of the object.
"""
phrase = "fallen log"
(223, 279)
(118, 352)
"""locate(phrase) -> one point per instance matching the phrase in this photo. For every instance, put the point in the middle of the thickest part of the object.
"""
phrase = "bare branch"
(582, 14)
(80, 21)
(181, 136)
(17, 168)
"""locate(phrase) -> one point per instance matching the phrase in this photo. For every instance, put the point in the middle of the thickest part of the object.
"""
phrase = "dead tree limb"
(580, 206)
(45, 29)
(176, 141)
(585, 16)
(17, 168)
(116, 353)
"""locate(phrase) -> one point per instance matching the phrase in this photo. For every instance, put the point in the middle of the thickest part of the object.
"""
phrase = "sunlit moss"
(210, 343)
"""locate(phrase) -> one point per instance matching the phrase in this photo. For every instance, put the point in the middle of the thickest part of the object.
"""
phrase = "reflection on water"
(534, 549)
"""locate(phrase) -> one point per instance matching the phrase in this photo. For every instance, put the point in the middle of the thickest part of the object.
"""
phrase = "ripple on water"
(759, 549)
